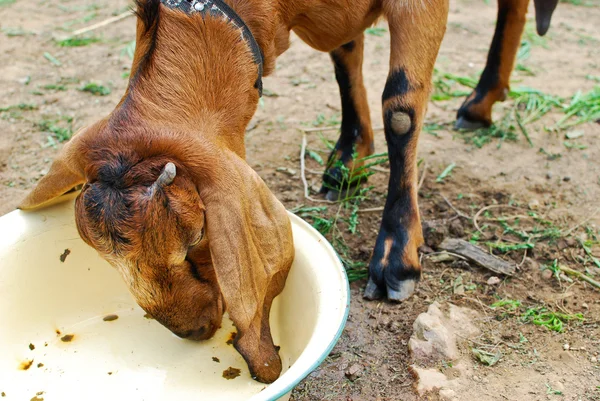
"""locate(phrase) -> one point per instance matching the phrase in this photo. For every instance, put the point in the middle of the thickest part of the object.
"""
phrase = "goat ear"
(250, 239)
(543, 14)
(66, 172)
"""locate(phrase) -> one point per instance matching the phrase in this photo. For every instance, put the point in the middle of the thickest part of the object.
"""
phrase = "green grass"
(509, 304)
(342, 218)
(95, 89)
(129, 50)
(503, 247)
(445, 173)
(504, 130)
(376, 31)
(57, 132)
(20, 106)
(445, 85)
(553, 321)
(77, 42)
(52, 59)
(11, 32)
(537, 315)
(486, 358)
(6, 2)
(581, 108)
(585, 3)
(551, 391)
(55, 87)
(326, 121)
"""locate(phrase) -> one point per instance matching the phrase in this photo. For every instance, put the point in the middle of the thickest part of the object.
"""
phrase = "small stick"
(371, 209)
(103, 23)
(488, 208)
(422, 180)
(381, 170)
(303, 174)
(570, 230)
(461, 214)
(580, 275)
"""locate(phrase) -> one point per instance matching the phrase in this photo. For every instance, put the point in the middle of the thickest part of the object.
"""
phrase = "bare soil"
(559, 184)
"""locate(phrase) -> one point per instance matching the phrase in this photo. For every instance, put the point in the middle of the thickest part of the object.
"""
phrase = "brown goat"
(168, 163)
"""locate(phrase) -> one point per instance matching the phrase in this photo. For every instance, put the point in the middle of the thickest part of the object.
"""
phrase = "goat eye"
(197, 240)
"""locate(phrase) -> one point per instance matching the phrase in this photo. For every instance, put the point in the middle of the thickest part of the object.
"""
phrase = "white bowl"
(134, 358)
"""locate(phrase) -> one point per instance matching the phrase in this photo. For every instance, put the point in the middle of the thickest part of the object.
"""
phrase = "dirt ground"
(552, 185)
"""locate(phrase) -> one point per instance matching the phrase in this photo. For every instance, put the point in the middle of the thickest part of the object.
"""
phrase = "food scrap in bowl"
(215, 359)
(64, 255)
(231, 373)
(231, 338)
(110, 318)
(26, 364)
(67, 338)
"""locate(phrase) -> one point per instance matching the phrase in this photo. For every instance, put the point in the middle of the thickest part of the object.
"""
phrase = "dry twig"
(100, 24)
(303, 174)
(580, 275)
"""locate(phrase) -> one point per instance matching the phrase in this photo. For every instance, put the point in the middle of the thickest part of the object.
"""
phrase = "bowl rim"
(292, 384)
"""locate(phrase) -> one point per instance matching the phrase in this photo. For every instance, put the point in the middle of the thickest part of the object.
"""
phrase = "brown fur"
(190, 96)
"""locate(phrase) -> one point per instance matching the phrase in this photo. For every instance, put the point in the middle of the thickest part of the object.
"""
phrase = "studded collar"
(218, 8)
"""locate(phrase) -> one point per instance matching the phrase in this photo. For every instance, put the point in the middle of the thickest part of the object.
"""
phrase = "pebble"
(593, 359)
(566, 178)
(353, 372)
(566, 346)
(493, 280)
(546, 274)
(534, 204)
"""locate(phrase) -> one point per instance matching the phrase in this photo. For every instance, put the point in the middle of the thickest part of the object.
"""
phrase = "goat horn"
(167, 175)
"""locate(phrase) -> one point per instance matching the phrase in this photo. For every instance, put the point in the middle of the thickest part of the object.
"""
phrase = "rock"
(593, 359)
(562, 244)
(457, 229)
(531, 264)
(354, 372)
(493, 280)
(534, 204)
(434, 232)
(289, 171)
(428, 379)
(434, 336)
(548, 176)
(546, 274)
(447, 394)
(566, 178)
(566, 346)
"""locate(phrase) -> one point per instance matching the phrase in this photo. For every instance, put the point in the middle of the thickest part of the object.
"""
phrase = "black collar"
(218, 8)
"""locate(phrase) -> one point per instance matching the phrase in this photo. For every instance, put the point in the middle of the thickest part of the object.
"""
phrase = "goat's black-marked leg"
(493, 86)
(356, 137)
(416, 34)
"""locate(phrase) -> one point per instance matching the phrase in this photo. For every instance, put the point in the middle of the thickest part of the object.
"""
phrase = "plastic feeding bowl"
(70, 330)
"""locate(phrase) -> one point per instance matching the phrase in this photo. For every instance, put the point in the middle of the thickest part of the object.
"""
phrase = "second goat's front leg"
(356, 136)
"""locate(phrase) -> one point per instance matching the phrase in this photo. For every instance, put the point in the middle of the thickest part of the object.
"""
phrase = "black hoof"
(405, 289)
(464, 124)
(334, 195)
(372, 292)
